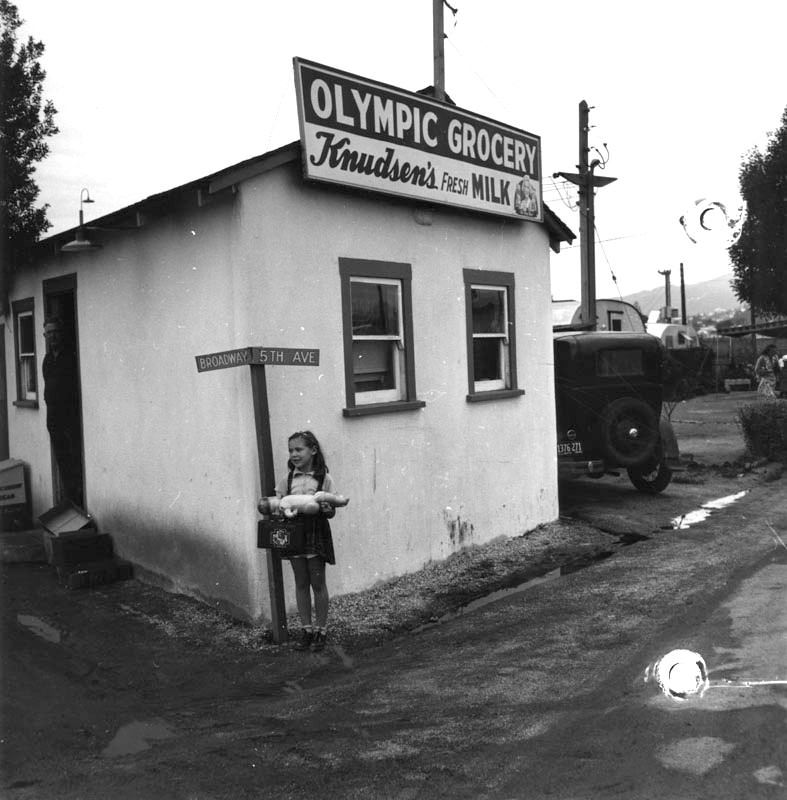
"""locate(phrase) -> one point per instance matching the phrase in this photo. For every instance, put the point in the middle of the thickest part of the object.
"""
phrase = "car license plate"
(569, 448)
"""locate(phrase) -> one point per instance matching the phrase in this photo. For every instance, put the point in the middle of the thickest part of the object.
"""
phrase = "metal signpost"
(257, 358)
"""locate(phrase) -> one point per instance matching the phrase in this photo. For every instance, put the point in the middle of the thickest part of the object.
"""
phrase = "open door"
(68, 469)
(3, 399)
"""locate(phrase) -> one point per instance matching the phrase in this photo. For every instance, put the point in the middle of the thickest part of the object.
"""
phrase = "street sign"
(258, 358)
(267, 356)
(285, 356)
(224, 360)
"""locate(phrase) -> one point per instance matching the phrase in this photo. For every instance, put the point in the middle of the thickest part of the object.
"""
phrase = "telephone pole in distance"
(587, 182)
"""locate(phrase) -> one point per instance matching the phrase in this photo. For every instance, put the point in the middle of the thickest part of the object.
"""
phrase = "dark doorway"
(68, 471)
(3, 399)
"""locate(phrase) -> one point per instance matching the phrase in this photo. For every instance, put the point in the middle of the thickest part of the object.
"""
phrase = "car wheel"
(651, 482)
(629, 432)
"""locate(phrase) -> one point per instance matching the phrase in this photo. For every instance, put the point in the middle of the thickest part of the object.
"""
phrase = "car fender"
(669, 441)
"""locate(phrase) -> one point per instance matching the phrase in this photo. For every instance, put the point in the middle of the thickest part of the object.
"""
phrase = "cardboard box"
(14, 497)
(76, 547)
(65, 518)
(13, 487)
(95, 573)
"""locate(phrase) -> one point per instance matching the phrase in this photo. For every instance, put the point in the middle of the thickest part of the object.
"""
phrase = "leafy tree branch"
(759, 257)
(26, 121)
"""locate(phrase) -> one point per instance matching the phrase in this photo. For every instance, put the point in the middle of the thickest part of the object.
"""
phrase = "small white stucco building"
(432, 397)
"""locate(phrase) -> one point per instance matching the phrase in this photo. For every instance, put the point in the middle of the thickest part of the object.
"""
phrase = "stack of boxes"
(82, 557)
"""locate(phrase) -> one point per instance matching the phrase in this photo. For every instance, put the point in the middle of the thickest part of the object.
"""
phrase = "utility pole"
(438, 46)
(587, 183)
(684, 314)
(666, 315)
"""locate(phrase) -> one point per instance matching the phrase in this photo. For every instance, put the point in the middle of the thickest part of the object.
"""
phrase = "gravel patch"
(392, 607)
(401, 604)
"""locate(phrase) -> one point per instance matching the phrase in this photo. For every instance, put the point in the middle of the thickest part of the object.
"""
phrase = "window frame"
(380, 401)
(488, 279)
(24, 398)
(394, 395)
(614, 320)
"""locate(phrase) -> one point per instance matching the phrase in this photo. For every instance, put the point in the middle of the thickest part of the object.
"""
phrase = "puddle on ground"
(511, 591)
(135, 737)
(39, 627)
(704, 511)
(624, 540)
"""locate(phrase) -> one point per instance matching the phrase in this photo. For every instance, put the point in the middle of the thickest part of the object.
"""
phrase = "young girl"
(308, 473)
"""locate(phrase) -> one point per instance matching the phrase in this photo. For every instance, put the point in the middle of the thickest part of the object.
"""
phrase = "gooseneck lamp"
(81, 243)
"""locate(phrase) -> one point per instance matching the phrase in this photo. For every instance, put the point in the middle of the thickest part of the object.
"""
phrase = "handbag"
(286, 535)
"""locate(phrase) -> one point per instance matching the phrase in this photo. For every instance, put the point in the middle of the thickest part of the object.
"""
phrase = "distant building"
(674, 335)
(611, 315)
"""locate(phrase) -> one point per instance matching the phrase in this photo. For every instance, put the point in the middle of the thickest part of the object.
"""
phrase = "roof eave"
(558, 230)
(209, 188)
(199, 192)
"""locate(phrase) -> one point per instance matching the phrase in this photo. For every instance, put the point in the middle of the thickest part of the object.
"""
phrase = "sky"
(152, 95)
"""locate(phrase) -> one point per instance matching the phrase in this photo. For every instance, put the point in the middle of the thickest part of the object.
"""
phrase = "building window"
(378, 337)
(491, 335)
(25, 352)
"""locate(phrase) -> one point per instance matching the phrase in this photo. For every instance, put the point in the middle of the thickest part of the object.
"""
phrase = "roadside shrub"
(764, 426)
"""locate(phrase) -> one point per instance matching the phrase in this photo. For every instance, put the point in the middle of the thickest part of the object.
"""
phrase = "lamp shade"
(80, 244)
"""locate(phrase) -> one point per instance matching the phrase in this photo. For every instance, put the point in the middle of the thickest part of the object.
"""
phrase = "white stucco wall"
(171, 461)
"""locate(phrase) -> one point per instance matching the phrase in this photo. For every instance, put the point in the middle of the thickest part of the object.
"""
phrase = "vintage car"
(609, 389)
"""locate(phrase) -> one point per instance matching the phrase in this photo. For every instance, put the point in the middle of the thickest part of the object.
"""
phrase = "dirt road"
(539, 694)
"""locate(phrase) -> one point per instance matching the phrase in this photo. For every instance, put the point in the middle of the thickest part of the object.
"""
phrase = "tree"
(740, 317)
(759, 257)
(26, 120)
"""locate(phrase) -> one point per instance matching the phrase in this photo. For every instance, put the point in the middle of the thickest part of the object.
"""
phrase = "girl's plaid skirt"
(318, 541)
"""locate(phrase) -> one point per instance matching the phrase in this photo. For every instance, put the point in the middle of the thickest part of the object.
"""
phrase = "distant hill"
(707, 297)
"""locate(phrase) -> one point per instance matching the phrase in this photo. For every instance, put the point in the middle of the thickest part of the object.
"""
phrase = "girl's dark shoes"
(304, 640)
(317, 642)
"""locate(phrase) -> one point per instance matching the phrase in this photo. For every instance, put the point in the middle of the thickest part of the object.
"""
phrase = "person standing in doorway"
(61, 395)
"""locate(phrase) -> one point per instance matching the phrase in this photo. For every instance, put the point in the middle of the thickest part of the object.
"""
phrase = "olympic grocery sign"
(379, 138)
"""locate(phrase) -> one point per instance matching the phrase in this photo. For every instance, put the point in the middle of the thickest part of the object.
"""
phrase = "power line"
(567, 202)
(476, 73)
(613, 239)
(600, 241)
